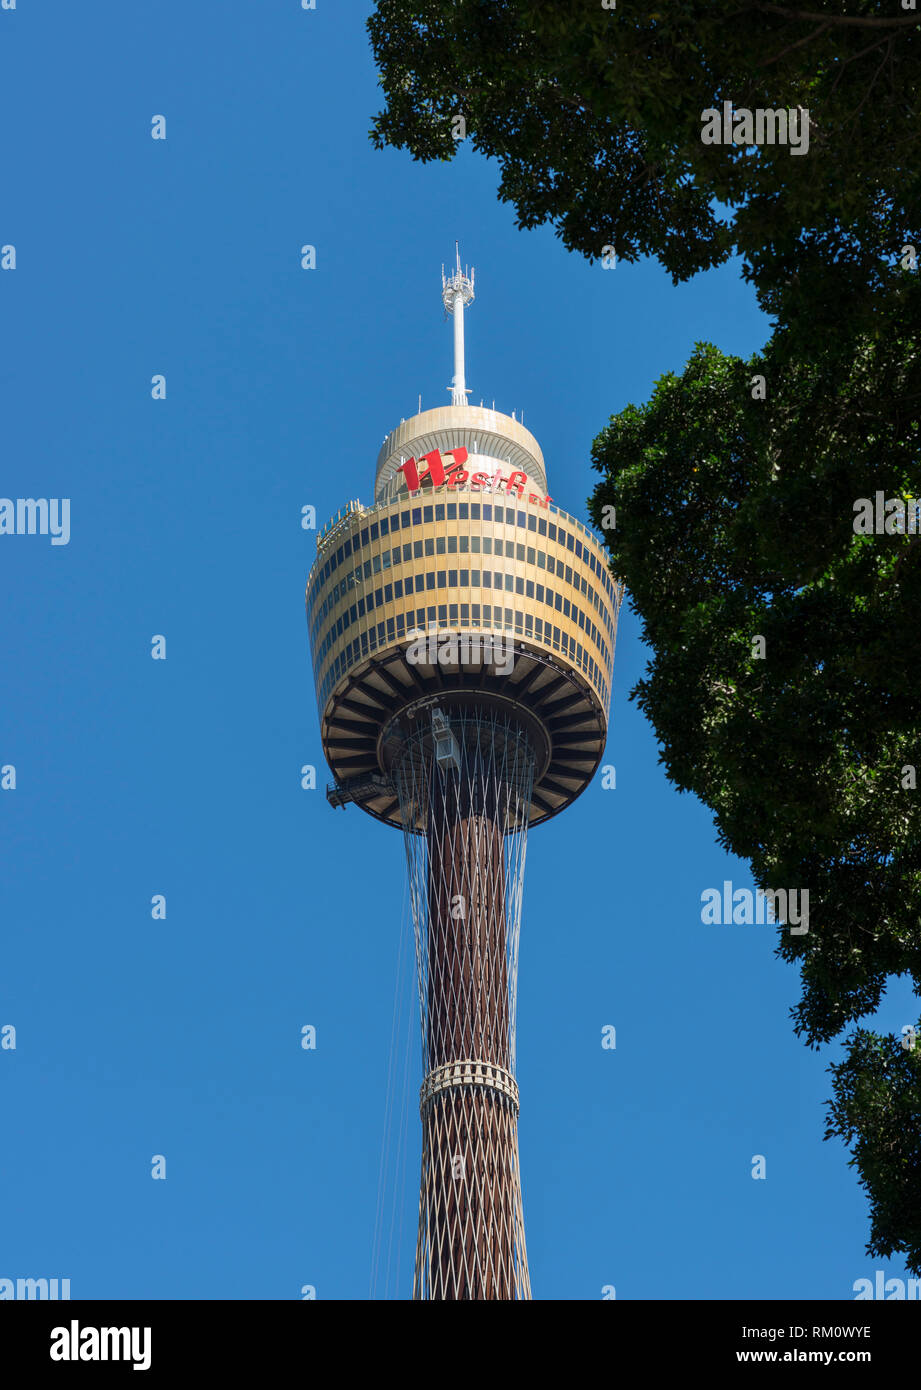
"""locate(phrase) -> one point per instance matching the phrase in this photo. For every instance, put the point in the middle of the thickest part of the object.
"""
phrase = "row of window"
(460, 511)
(462, 615)
(440, 545)
(453, 545)
(453, 579)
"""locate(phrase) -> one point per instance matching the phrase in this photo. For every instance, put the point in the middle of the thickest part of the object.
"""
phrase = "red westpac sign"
(438, 473)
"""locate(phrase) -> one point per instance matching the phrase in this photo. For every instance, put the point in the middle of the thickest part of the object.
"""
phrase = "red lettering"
(410, 473)
(514, 486)
(436, 473)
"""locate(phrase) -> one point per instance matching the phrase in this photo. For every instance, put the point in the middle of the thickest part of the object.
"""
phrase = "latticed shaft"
(464, 780)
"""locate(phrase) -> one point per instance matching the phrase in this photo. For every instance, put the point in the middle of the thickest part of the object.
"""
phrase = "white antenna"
(456, 292)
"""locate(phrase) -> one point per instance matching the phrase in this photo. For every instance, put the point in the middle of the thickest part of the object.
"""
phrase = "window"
(442, 579)
(452, 543)
(440, 511)
(374, 531)
(417, 550)
(430, 546)
(452, 511)
(464, 544)
(427, 513)
(385, 526)
(440, 545)
(464, 578)
(417, 516)
(430, 580)
(452, 579)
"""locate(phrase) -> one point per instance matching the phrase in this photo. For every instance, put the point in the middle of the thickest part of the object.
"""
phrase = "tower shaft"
(464, 857)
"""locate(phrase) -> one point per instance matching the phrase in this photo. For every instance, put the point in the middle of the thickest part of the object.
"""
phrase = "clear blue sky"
(181, 777)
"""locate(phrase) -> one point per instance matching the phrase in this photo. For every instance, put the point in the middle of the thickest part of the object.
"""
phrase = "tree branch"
(799, 43)
(850, 20)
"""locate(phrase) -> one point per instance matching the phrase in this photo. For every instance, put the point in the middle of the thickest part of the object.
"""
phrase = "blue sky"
(181, 1037)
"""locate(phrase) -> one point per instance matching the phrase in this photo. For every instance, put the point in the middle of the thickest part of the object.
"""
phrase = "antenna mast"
(456, 292)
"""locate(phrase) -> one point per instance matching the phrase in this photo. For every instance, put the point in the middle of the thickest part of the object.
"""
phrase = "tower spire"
(456, 292)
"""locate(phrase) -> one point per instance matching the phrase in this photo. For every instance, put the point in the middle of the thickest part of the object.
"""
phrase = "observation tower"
(462, 632)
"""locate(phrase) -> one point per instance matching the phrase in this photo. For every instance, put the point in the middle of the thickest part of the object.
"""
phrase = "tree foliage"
(877, 1107)
(594, 116)
(735, 519)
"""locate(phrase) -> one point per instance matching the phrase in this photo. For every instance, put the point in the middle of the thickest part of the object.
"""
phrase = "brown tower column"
(469, 1129)
(471, 1237)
